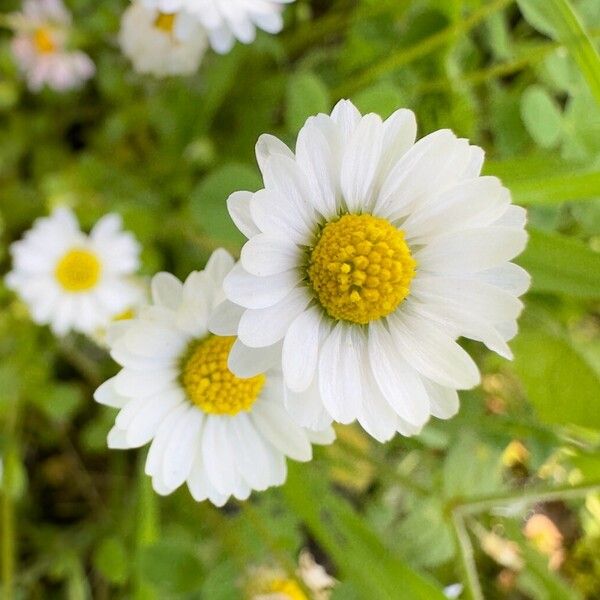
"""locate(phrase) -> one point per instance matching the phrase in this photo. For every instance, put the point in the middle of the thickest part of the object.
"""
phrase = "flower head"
(368, 256)
(74, 281)
(222, 434)
(161, 43)
(228, 20)
(40, 47)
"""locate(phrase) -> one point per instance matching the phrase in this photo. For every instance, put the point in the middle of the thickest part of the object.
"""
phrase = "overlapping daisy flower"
(41, 47)
(224, 435)
(73, 281)
(369, 255)
(160, 43)
(228, 20)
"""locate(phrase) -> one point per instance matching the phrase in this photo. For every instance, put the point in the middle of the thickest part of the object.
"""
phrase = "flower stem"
(8, 546)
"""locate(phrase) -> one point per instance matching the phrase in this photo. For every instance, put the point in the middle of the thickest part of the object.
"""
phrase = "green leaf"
(558, 19)
(171, 567)
(561, 265)
(306, 96)
(542, 116)
(111, 560)
(556, 189)
(208, 202)
(559, 382)
(357, 551)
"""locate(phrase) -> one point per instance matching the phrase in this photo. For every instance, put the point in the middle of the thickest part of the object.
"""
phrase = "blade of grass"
(405, 56)
(564, 25)
(556, 189)
(352, 545)
(561, 265)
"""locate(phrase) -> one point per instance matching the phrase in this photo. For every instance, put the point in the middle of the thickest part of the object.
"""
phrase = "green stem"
(467, 557)
(8, 549)
(487, 503)
(406, 55)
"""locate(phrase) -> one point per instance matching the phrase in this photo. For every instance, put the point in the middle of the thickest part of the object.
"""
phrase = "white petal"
(399, 383)
(225, 319)
(339, 373)
(238, 205)
(301, 349)
(471, 251)
(267, 254)
(306, 408)
(510, 277)
(267, 146)
(347, 117)
(431, 352)
(444, 401)
(251, 291)
(277, 427)
(399, 133)
(247, 362)
(360, 163)
(107, 394)
(266, 326)
(167, 290)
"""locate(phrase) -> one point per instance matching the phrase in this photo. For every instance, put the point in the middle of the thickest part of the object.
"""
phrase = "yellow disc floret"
(209, 383)
(165, 22)
(360, 268)
(44, 41)
(78, 270)
(287, 588)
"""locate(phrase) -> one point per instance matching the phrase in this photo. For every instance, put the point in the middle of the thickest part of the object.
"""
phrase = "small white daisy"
(368, 256)
(40, 47)
(74, 281)
(228, 20)
(223, 435)
(160, 43)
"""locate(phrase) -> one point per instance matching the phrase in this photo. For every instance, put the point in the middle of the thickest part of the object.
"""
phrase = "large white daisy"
(223, 435)
(228, 20)
(40, 47)
(160, 43)
(368, 256)
(74, 281)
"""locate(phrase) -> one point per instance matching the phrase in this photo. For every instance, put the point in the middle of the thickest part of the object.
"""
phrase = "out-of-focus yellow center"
(78, 270)
(165, 22)
(44, 42)
(287, 588)
(209, 383)
(360, 268)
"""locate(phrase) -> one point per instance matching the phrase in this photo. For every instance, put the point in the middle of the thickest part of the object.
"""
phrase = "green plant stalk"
(467, 558)
(147, 526)
(406, 55)
(8, 489)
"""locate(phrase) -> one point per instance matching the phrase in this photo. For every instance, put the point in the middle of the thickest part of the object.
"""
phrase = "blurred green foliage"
(396, 521)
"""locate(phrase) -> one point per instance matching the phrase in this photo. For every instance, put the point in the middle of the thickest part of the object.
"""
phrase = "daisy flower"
(74, 281)
(224, 435)
(228, 20)
(161, 43)
(40, 47)
(368, 256)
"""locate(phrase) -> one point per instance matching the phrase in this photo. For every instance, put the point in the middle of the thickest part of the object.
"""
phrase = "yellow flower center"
(165, 22)
(78, 270)
(287, 588)
(43, 40)
(361, 268)
(209, 383)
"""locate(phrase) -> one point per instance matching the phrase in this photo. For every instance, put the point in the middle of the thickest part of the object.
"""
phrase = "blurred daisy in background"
(161, 43)
(228, 20)
(223, 435)
(271, 583)
(368, 256)
(41, 47)
(73, 281)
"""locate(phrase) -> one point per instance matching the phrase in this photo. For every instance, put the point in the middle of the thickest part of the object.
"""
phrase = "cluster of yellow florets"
(361, 268)
(210, 384)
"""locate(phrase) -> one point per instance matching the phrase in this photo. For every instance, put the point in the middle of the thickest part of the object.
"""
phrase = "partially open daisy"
(224, 435)
(40, 47)
(161, 43)
(368, 256)
(74, 281)
(228, 20)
